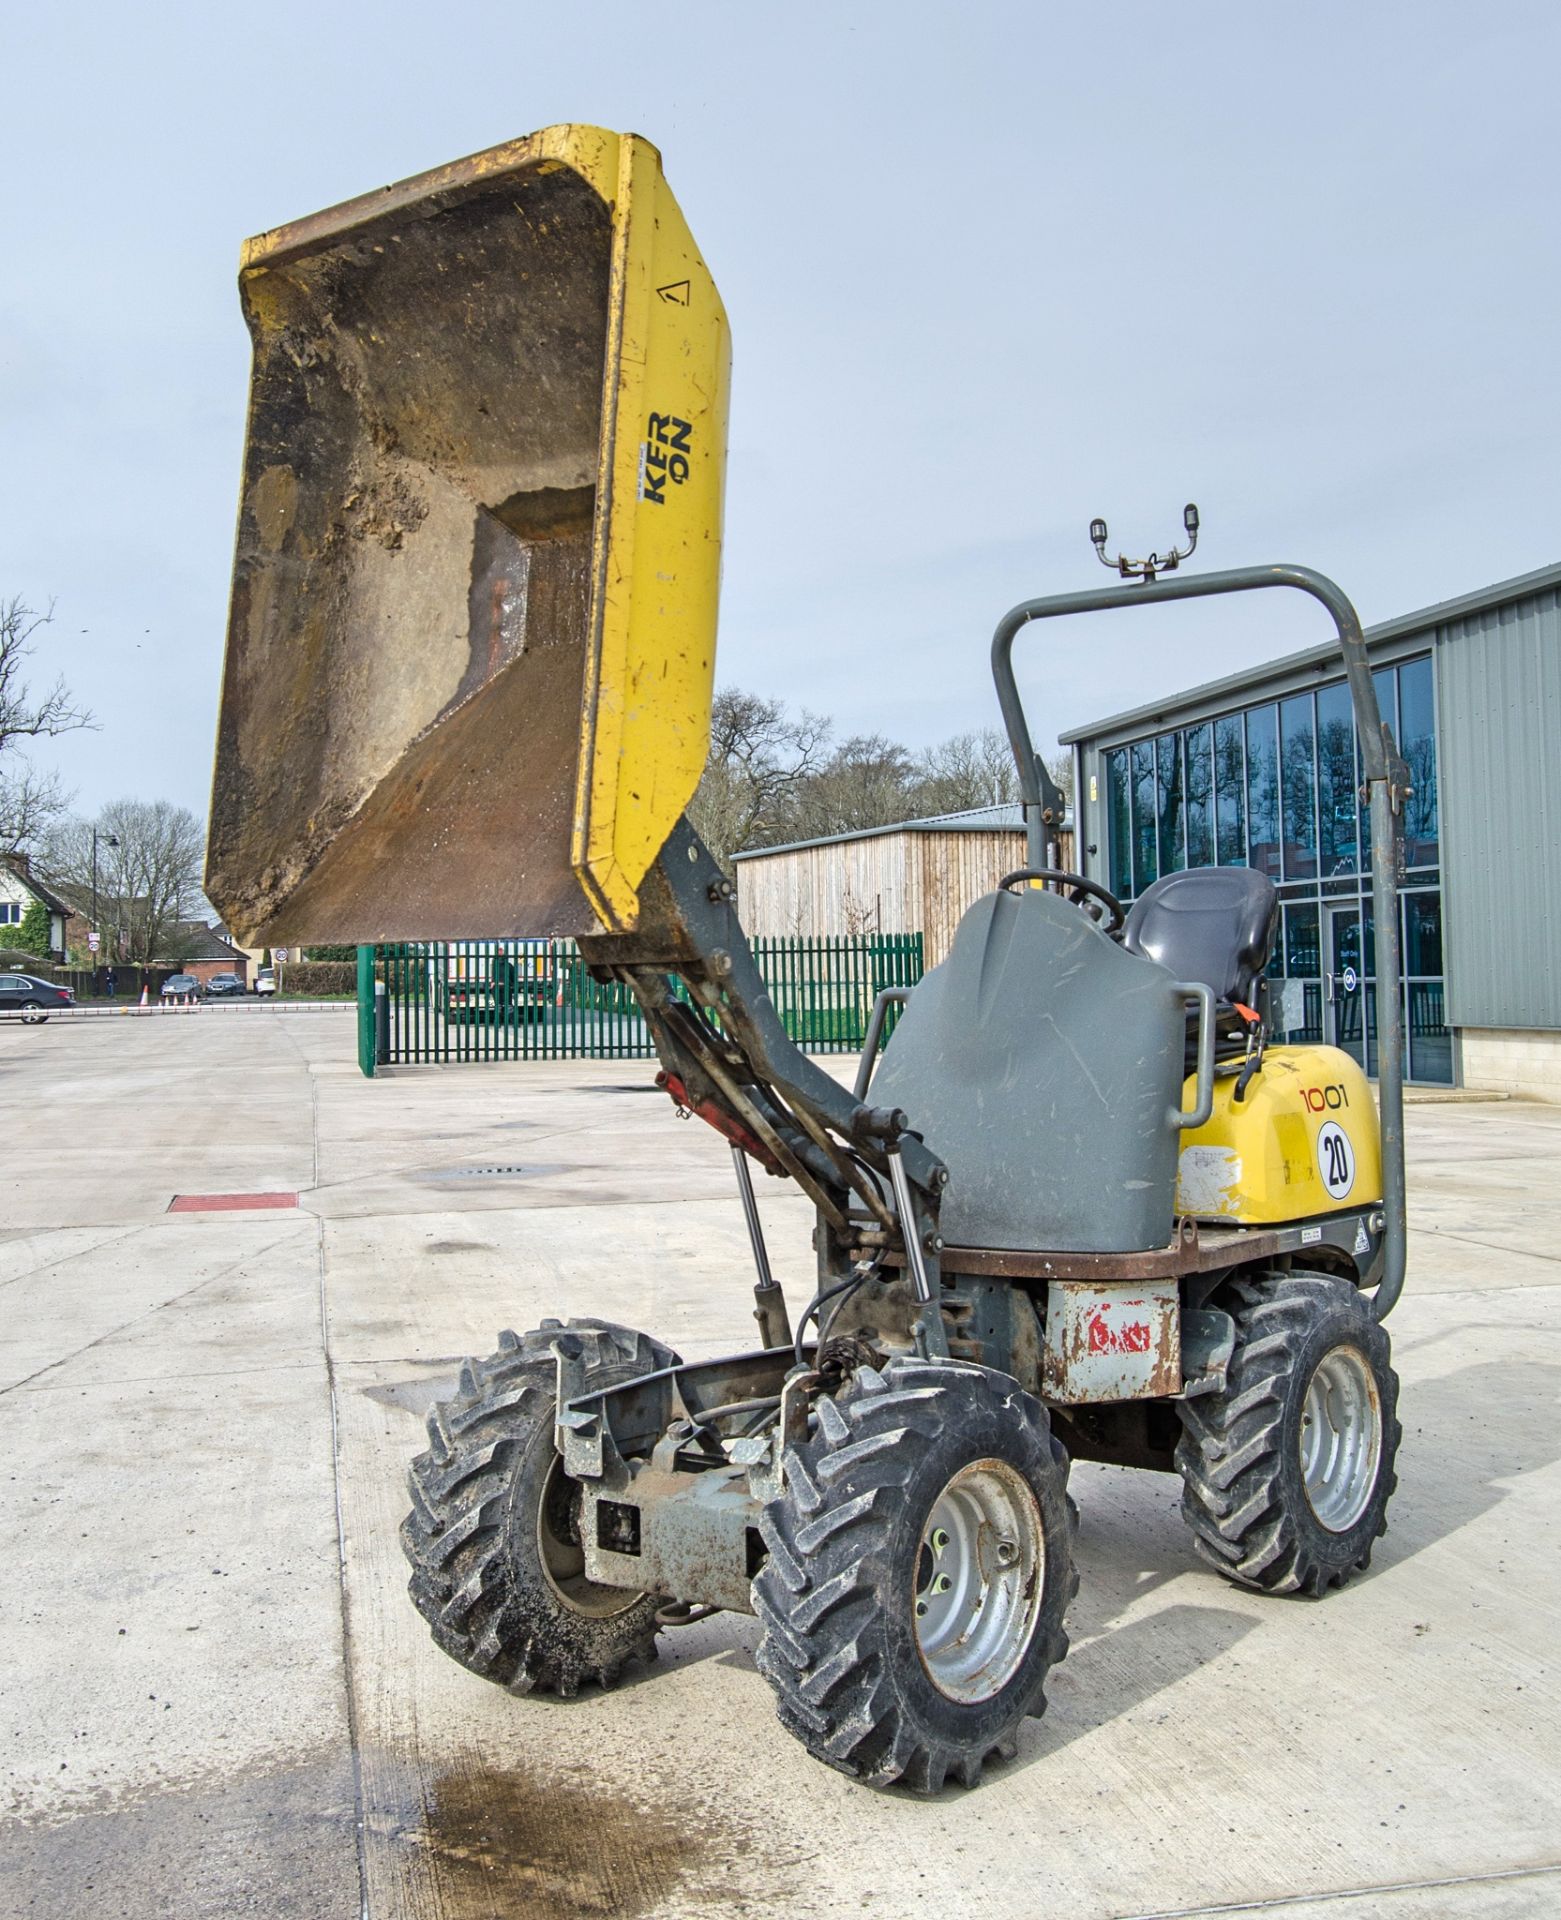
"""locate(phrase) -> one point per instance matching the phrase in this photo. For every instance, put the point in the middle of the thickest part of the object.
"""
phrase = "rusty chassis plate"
(1192, 1250)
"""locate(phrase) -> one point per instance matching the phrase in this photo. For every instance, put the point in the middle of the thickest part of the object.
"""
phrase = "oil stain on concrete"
(506, 1845)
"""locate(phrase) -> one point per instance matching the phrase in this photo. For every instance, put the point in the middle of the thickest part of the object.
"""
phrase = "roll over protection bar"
(1387, 783)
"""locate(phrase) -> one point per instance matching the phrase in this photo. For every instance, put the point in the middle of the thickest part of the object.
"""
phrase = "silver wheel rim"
(563, 1560)
(1341, 1438)
(980, 1576)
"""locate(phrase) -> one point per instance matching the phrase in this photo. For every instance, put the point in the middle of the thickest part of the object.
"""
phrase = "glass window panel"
(1198, 795)
(1387, 699)
(1422, 933)
(1347, 988)
(1303, 963)
(1120, 815)
(1230, 785)
(1298, 800)
(1263, 790)
(1385, 680)
(1338, 826)
(1417, 743)
(1168, 760)
(1430, 1044)
(1145, 855)
(1303, 956)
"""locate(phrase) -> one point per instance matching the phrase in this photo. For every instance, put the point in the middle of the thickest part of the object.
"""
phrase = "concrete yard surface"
(218, 1700)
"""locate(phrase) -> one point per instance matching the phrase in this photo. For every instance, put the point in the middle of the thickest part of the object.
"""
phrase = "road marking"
(229, 1202)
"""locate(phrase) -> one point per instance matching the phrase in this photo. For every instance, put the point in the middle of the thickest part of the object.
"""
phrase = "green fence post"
(366, 1036)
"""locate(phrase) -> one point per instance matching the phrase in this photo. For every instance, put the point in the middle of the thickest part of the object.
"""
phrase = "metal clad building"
(1498, 686)
(1261, 770)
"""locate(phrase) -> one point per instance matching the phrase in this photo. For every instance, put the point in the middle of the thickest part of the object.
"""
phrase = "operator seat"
(1214, 924)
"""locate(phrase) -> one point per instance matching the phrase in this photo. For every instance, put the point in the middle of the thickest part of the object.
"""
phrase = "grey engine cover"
(1044, 1065)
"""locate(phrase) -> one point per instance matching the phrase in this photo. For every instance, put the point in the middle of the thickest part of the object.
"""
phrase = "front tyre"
(492, 1538)
(1287, 1473)
(920, 1563)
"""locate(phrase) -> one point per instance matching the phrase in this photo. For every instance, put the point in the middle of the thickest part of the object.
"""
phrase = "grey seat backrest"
(1214, 924)
(1042, 1063)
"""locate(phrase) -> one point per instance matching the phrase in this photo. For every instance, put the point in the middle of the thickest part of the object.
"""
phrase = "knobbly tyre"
(1084, 1208)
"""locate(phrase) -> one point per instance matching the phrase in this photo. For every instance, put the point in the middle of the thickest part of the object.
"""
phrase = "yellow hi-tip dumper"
(1083, 1207)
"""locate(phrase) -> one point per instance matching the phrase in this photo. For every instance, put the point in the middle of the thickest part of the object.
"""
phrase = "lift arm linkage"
(727, 1049)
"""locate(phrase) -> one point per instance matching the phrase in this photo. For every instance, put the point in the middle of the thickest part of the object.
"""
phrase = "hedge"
(24, 960)
(319, 977)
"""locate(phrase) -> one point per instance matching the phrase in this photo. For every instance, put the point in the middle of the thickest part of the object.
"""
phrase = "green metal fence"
(431, 1002)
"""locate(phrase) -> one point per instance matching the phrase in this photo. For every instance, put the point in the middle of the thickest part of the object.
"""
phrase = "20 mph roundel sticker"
(1335, 1159)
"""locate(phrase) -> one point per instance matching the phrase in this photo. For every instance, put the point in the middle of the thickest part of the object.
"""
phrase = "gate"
(434, 1002)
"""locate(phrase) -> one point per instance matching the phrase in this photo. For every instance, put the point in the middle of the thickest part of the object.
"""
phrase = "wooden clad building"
(917, 876)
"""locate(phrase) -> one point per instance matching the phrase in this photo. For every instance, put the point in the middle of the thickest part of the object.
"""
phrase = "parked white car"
(265, 980)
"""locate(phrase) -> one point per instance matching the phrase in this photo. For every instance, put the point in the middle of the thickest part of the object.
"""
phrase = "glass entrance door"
(1344, 984)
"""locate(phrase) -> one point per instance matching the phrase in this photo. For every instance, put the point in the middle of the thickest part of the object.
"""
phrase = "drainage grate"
(481, 1173)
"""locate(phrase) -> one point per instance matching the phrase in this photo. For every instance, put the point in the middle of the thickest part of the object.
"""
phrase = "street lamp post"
(109, 840)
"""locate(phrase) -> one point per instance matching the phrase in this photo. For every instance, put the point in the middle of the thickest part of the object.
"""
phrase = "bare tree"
(968, 770)
(867, 781)
(148, 874)
(29, 801)
(772, 776)
(759, 755)
(1060, 767)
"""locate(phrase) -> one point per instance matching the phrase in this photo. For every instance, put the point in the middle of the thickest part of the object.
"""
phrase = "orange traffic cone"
(144, 1001)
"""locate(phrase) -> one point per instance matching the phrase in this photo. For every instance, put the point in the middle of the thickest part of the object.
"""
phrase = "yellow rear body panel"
(1303, 1141)
(645, 720)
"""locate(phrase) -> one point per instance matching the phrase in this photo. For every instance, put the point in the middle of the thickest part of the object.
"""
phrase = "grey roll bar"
(1387, 782)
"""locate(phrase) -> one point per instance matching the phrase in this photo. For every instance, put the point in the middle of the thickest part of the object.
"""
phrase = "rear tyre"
(492, 1539)
(1287, 1473)
(920, 1563)
(33, 1014)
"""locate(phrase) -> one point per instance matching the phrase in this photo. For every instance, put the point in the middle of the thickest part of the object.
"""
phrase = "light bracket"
(1145, 570)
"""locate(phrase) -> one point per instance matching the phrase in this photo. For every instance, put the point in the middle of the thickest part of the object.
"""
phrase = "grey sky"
(991, 269)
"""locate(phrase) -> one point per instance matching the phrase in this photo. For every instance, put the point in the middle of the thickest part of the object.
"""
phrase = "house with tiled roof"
(202, 948)
(20, 888)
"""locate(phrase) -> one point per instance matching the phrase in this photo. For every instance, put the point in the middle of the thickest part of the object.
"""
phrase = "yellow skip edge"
(592, 152)
(656, 554)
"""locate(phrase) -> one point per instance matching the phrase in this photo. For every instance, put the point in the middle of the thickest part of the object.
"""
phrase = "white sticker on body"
(1208, 1181)
(1335, 1159)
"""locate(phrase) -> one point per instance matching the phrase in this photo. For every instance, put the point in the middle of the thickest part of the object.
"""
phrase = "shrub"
(21, 960)
(32, 936)
(316, 978)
